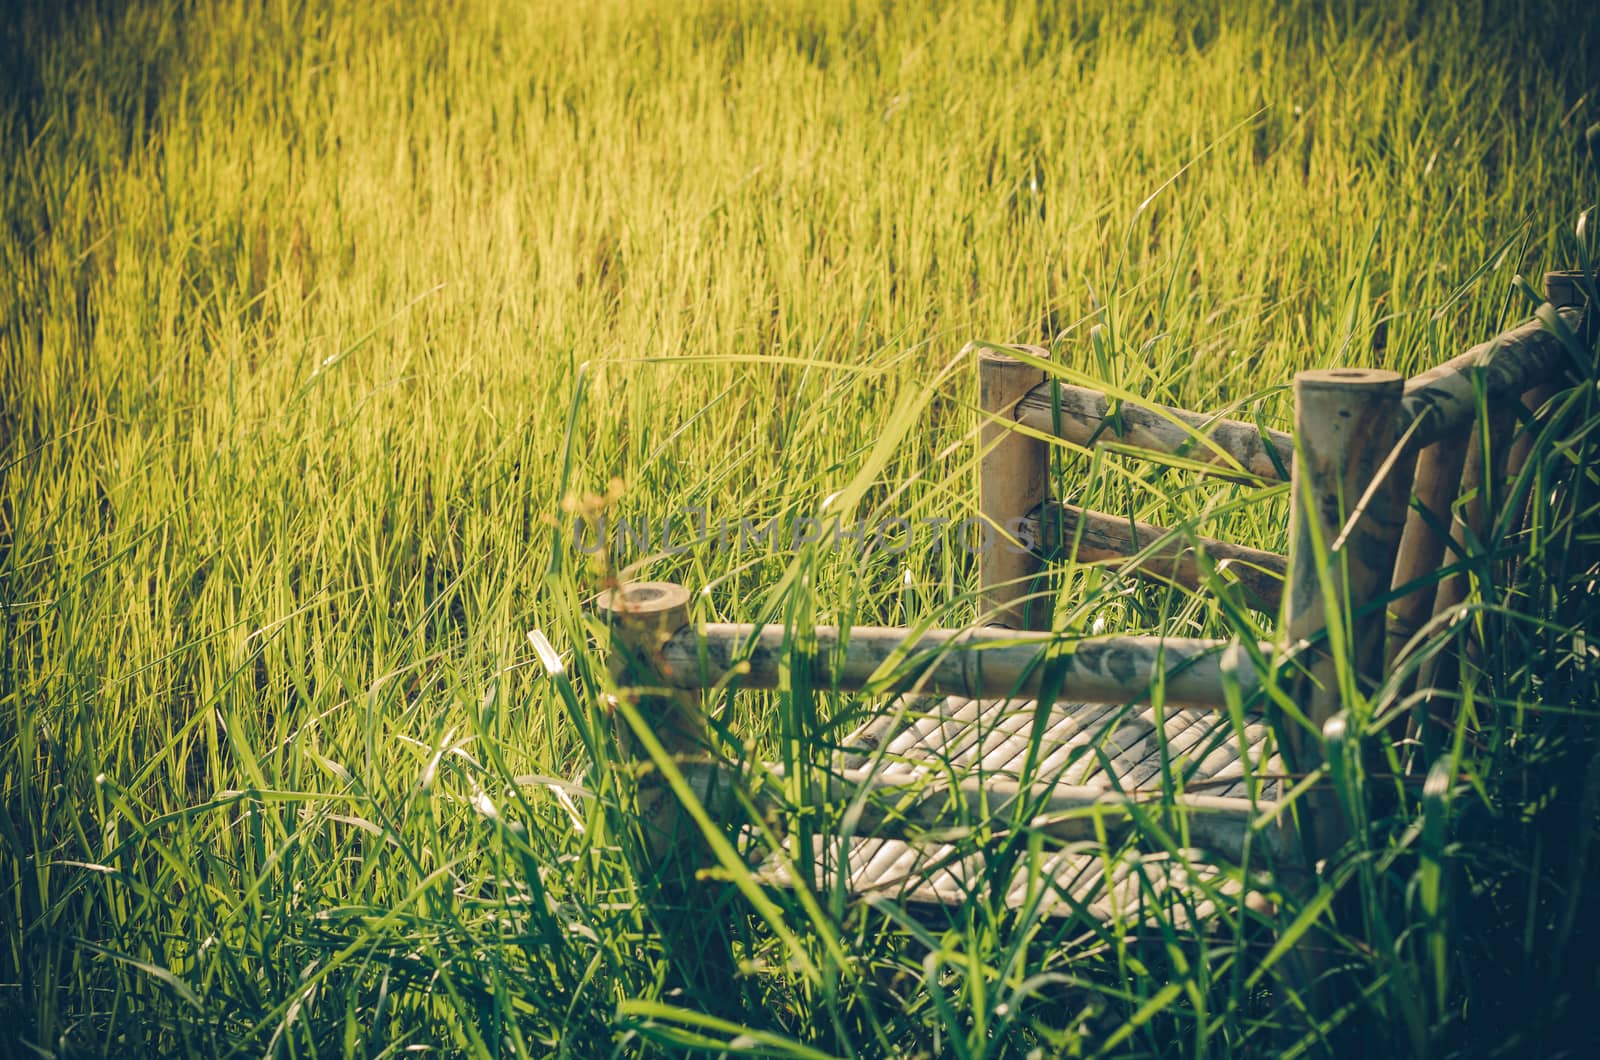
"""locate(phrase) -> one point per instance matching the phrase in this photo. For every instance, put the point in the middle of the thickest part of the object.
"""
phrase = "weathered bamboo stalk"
(642, 617)
(976, 663)
(1522, 442)
(1481, 486)
(1345, 526)
(1230, 446)
(906, 804)
(1152, 551)
(1013, 476)
(1445, 400)
(1564, 288)
(1437, 481)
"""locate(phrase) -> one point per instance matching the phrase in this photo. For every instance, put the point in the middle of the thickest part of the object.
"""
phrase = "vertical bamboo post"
(1522, 444)
(1346, 427)
(1483, 474)
(642, 617)
(1562, 290)
(1422, 545)
(1013, 474)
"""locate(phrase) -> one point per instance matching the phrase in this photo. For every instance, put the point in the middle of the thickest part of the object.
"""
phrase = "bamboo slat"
(1227, 445)
(1152, 551)
(909, 803)
(977, 663)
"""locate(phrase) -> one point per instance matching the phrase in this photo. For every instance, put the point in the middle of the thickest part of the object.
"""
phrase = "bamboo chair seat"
(1115, 748)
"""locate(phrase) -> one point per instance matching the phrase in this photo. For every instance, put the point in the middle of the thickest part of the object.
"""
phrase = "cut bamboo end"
(1564, 288)
(1361, 384)
(644, 607)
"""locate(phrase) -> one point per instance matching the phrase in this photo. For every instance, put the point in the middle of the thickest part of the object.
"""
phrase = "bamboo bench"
(1171, 744)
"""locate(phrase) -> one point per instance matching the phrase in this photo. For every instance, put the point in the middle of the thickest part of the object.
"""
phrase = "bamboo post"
(1564, 289)
(671, 849)
(1522, 443)
(1013, 474)
(1437, 482)
(1482, 476)
(644, 616)
(1346, 427)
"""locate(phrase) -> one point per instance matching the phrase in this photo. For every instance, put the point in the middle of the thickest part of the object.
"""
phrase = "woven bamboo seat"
(1114, 748)
(1085, 744)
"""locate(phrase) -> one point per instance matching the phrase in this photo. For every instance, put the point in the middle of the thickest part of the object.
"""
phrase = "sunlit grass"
(315, 314)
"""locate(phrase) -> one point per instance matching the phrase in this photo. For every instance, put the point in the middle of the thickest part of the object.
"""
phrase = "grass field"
(322, 322)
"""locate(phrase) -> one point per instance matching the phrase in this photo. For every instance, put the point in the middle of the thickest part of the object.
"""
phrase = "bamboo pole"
(644, 616)
(670, 846)
(1445, 398)
(1522, 442)
(1480, 491)
(1345, 526)
(1230, 446)
(1013, 476)
(1437, 482)
(1152, 551)
(976, 664)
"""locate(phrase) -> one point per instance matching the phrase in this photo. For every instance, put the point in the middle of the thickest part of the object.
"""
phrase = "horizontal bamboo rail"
(1443, 398)
(1152, 551)
(900, 803)
(1229, 446)
(975, 663)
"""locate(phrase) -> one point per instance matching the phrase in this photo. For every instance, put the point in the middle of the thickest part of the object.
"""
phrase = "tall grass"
(316, 313)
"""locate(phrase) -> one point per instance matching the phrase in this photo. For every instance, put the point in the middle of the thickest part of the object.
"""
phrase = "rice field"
(328, 332)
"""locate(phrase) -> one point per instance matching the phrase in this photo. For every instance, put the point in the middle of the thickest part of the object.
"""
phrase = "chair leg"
(1345, 526)
(1480, 487)
(1013, 473)
(668, 847)
(1348, 490)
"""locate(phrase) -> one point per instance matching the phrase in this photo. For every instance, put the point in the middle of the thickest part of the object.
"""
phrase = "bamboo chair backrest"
(1435, 417)
(1387, 487)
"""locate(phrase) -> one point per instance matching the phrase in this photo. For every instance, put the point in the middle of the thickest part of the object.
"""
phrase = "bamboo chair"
(1165, 743)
